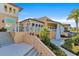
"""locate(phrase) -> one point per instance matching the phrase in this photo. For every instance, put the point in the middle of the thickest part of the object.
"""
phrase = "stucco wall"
(52, 35)
(2, 9)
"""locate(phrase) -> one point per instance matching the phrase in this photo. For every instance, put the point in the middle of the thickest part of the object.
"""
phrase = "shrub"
(45, 39)
(57, 50)
(75, 39)
(72, 45)
(3, 29)
(44, 36)
(68, 43)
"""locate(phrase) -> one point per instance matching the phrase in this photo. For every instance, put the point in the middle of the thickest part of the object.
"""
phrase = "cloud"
(65, 21)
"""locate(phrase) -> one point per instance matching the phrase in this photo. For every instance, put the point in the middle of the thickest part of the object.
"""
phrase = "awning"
(10, 20)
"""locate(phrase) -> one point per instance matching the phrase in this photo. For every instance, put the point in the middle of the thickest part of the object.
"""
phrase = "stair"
(5, 39)
(9, 48)
(18, 50)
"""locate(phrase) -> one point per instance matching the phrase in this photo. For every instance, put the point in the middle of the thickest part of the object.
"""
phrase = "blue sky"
(56, 11)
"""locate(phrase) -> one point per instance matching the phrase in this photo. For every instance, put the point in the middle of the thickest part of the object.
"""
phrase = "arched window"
(36, 25)
(5, 7)
(32, 24)
(2, 21)
(14, 10)
(10, 9)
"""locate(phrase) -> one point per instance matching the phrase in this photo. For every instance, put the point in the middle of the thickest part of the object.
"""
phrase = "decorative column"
(58, 32)
(24, 28)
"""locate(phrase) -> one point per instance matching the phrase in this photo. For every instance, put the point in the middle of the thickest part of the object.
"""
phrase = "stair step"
(35, 53)
(31, 52)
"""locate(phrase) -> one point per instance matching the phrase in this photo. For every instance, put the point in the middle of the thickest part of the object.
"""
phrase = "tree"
(75, 15)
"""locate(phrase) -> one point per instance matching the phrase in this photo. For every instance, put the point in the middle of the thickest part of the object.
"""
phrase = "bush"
(3, 29)
(57, 50)
(44, 36)
(72, 45)
(68, 43)
(76, 40)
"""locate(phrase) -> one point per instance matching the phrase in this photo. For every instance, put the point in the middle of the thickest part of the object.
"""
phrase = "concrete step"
(32, 52)
(35, 53)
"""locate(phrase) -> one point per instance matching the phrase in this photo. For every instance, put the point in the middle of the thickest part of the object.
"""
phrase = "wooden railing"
(23, 37)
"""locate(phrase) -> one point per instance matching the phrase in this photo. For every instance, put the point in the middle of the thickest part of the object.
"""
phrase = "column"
(58, 32)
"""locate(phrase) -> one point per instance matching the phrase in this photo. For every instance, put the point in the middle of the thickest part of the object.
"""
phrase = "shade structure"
(10, 24)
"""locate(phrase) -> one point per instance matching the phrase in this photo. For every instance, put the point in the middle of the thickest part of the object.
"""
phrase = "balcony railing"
(52, 30)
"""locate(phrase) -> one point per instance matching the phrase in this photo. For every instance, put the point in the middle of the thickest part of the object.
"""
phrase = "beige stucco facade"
(8, 10)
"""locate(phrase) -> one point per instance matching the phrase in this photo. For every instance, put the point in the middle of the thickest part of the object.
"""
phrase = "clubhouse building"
(34, 26)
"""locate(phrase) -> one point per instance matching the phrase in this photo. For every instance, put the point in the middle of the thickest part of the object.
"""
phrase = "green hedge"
(57, 50)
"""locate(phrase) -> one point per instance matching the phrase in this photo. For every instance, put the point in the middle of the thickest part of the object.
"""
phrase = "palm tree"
(75, 15)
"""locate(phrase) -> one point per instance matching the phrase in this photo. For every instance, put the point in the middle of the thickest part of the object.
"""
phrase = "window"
(10, 9)
(36, 25)
(2, 21)
(39, 25)
(32, 24)
(5, 8)
(14, 10)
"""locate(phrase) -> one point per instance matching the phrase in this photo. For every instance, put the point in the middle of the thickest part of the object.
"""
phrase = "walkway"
(68, 53)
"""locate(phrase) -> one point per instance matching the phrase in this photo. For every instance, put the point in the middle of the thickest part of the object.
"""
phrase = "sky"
(55, 11)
